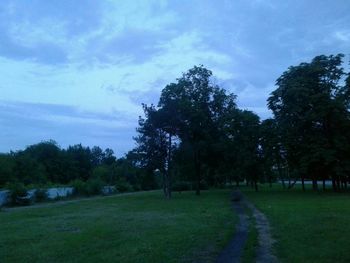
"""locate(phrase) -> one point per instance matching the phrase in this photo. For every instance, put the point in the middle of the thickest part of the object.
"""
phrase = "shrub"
(94, 186)
(40, 195)
(90, 187)
(79, 187)
(123, 186)
(19, 194)
(181, 186)
(136, 187)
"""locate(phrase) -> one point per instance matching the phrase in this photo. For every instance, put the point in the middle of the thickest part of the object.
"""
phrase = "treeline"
(197, 134)
(196, 137)
(46, 164)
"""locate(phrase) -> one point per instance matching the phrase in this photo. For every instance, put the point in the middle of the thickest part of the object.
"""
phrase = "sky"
(78, 71)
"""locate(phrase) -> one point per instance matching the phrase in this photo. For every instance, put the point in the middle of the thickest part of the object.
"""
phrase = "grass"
(249, 252)
(308, 226)
(140, 227)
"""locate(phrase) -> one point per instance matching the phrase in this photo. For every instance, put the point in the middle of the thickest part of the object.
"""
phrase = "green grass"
(308, 226)
(140, 227)
(249, 252)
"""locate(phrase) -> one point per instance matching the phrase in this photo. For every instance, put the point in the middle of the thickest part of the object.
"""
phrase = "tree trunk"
(338, 183)
(324, 184)
(255, 185)
(164, 183)
(314, 184)
(303, 182)
(198, 172)
(345, 184)
(279, 169)
(168, 170)
(334, 186)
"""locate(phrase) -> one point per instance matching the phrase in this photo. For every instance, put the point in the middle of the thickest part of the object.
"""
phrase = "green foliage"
(18, 194)
(79, 187)
(7, 165)
(40, 195)
(311, 112)
(193, 111)
(123, 186)
(88, 188)
(103, 173)
(94, 186)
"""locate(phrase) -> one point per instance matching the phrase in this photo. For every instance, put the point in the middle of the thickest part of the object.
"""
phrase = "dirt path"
(233, 251)
(264, 250)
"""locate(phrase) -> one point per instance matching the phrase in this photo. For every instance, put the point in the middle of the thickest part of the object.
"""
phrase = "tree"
(152, 146)
(193, 106)
(7, 166)
(272, 150)
(311, 109)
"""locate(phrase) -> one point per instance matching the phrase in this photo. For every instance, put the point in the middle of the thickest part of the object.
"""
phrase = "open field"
(140, 227)
(308, 227)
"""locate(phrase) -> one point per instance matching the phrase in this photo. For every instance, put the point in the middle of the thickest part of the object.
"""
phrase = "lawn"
(140, 227)
(308, 226)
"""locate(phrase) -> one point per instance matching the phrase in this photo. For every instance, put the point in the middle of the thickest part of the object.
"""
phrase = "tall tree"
(153, 147)
(194, 104)
(310, 106)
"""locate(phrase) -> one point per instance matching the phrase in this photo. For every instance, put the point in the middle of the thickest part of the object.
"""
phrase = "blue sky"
(78, 71)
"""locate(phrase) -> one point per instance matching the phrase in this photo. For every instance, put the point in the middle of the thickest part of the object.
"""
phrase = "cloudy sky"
(77, 71)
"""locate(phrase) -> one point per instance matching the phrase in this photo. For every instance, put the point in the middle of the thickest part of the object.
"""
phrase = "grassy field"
(308, 227)
(140, 227)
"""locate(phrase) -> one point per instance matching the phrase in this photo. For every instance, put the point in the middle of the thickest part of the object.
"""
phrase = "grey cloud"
(47, 53)
(135, 44)
(78, 18)
(25, 123)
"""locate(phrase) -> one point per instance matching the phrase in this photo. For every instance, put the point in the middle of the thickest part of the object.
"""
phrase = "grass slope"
(141, 227)
(308, 226)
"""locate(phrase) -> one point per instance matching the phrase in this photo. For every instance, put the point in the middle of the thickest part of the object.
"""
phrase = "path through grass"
(308, 227)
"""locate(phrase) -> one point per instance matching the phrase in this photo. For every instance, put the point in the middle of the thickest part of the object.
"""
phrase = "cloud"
(28, 123)
(77, 71)
(42, 31)
(343, 35)
(136, 45)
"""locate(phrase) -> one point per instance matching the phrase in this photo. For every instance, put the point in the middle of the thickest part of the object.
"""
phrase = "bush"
(40, 195)
(123, 186)
(136, 187)
(19, 195)
(181, 186)
(79, 187)
(94, 186)
(91, 187)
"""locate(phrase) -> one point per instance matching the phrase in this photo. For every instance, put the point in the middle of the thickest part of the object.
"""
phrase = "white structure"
(4, 197)
(53, 193)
